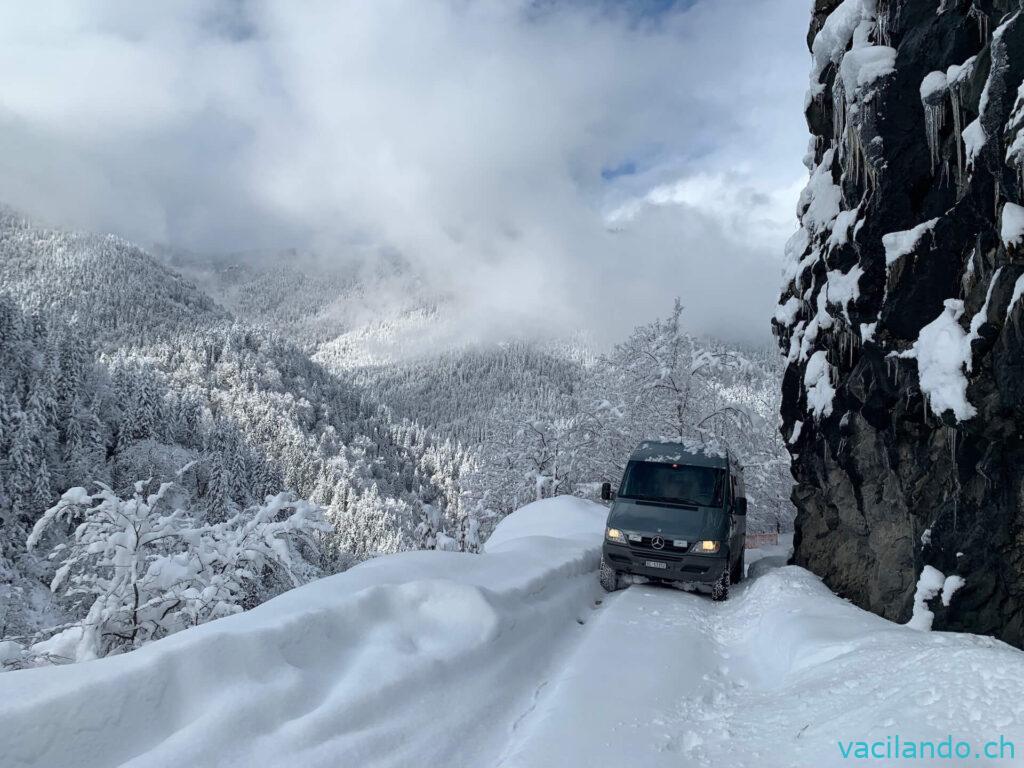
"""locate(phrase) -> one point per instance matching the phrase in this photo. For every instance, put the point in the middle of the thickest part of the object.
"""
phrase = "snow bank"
(818, 666)
(364, 668)
(563, 517)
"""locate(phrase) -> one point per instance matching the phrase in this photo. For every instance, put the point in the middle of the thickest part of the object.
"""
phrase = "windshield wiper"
(661, 500)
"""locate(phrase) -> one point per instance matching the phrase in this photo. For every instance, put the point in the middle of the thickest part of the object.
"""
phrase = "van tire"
(741, 567)
(720, 589)
(610, 578)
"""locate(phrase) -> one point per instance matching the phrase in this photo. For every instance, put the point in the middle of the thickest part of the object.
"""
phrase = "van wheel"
(610, 579)
(741, 567)
(720, 590)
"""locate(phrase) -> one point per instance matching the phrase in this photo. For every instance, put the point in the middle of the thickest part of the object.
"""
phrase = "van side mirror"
(741, 506)
(606, 491)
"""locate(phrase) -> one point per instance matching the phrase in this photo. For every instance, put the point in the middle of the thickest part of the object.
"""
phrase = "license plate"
(655, 564)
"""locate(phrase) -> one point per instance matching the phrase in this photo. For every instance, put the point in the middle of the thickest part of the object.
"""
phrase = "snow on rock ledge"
(818, 381)
(861, 67)
(1012, 228)
(943, 353)
(900, 244)
(929, 584)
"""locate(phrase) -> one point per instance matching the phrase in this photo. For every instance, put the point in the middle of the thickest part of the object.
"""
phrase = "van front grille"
(644, 545)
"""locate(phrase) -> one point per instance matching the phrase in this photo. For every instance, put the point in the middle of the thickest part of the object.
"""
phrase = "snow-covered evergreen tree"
(140, 568)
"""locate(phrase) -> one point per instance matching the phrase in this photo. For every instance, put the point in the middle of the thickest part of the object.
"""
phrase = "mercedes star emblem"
(657, 542)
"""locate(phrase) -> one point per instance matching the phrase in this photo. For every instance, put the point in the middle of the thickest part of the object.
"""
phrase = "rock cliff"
(903, 400)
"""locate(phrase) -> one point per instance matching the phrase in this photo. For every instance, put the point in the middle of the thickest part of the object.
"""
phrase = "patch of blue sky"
(640, 10)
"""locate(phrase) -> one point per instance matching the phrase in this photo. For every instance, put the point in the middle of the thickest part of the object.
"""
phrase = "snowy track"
(777, 676)
(515, 658)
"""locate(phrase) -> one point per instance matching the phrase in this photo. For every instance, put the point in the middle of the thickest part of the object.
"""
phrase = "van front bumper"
(683, 568)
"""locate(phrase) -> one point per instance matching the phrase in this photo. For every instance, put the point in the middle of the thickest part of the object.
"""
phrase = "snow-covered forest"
(145, 426)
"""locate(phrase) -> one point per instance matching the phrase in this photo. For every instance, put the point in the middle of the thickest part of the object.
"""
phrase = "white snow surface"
(842, 288)
(952, 583)
(818, 383)
(934, 83)
(899, 244)
(1018, 291)
(776, 676)
(820, 199)
(795, 434)
(929, 584)
(786, 312)
(515, 658)
(943, 353)
(832, 40)
(841, 229)
(369, 667)
(974, 140)
(1012, 228)
(861, 67)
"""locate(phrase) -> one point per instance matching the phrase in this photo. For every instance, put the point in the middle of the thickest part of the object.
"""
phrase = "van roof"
(688, 452)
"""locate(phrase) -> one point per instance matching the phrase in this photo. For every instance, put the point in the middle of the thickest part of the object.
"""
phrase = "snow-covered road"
(516, 658)
(780, 675)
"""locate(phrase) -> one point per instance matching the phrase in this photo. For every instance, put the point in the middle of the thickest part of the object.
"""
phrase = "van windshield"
(673, 483)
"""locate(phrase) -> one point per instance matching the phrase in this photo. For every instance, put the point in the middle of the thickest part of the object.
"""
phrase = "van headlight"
(614, 534)
(708, 547)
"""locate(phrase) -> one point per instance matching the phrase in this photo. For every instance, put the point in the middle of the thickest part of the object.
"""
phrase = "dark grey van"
(679, 516)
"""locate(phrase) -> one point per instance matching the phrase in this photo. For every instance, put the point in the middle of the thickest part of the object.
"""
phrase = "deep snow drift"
(418, 659)
(514, 657)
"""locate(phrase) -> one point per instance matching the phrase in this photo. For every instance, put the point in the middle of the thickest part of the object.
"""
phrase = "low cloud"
(556, 165)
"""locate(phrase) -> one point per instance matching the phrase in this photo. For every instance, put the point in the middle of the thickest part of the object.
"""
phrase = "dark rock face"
(904, 411)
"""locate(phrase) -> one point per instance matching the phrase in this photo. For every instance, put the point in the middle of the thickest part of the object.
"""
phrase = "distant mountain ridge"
(113, 290)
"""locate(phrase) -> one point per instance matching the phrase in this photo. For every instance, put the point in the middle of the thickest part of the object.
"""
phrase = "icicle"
(945, 177)
(934, 117)
(965, 280)
(887, 20)
(839, 117)
(954, 97)
(983, 24)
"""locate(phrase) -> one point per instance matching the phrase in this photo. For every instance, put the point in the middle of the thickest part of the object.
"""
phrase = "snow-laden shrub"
(141, 568)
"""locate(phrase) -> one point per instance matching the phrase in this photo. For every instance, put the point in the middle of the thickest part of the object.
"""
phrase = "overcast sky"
(556, 163)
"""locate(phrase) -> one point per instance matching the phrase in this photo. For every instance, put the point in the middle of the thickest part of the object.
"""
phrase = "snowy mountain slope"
(459, 393)
(314, 300)
(506, 658)
(115, 369)
(115, 292)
